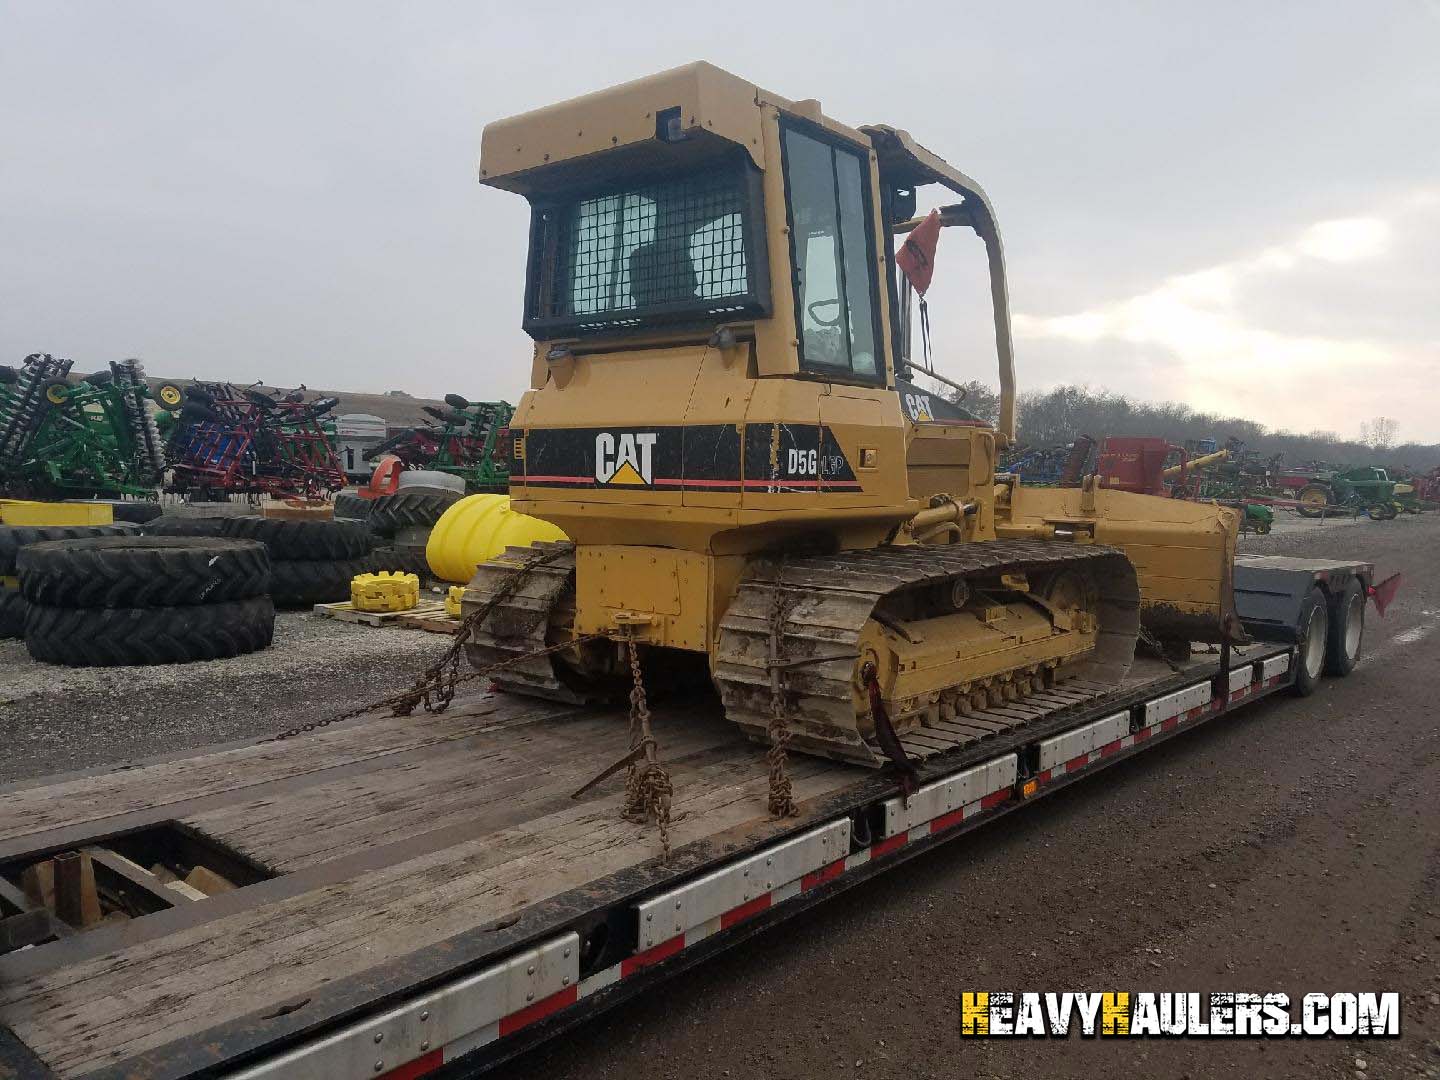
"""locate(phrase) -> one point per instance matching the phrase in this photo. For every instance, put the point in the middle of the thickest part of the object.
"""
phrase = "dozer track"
(519, 622)
(830, 602)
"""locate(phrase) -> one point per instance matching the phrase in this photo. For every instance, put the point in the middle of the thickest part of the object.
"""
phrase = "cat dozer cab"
(723, 421)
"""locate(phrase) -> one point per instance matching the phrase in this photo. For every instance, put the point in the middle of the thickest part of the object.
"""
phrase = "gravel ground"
(55, 719)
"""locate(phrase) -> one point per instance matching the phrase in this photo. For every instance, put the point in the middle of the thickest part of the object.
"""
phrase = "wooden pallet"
(437, 621)
(426, 615)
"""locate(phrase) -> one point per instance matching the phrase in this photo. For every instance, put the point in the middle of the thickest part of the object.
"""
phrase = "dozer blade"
(1183, 551)
(948, 678)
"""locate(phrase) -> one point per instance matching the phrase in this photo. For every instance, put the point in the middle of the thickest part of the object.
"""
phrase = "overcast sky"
(1232, 204)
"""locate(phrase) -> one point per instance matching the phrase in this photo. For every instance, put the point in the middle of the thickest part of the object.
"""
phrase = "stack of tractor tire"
(15, 537)
(122, 600)
(311, 562)
(402, 522)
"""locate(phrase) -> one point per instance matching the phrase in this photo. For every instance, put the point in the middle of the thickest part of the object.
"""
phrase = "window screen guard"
(659, 248)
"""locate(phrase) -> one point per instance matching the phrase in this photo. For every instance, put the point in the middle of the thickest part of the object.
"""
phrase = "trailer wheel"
(1347, 630)
(1310, 646)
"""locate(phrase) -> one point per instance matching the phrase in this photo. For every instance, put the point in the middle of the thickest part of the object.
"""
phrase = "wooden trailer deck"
(387, 852)
(387, 835)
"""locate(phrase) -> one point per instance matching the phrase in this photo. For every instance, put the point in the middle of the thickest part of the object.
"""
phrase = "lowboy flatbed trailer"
(421, 895)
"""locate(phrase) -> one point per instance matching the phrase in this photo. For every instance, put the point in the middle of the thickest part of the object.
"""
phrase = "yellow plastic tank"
(478, 528)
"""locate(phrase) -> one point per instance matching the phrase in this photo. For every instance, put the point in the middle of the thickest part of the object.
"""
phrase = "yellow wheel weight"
(384, 591)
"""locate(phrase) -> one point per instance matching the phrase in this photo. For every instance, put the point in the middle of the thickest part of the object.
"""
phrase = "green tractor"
(1362, 489)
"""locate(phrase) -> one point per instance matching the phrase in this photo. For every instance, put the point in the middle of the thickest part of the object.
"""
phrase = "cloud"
(1209, 343)
(1345, 239)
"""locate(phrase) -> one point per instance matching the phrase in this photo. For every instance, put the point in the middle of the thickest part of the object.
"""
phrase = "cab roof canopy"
(621, 129)
(674, 119)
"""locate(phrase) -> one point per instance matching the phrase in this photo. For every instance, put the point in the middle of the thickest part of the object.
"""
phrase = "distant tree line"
(1058, 416)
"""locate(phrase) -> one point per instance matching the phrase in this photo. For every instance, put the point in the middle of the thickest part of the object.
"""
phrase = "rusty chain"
(782, 800)
(1146, 638)
(435, 688)
(648, 791)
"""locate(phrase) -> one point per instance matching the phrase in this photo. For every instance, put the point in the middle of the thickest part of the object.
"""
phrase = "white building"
(357, 433)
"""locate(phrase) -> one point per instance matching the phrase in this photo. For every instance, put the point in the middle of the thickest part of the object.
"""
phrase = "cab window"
(831, 256)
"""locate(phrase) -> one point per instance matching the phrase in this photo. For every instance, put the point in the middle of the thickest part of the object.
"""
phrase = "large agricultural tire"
(391, 513)
(350, 506)
(404, 560)
(185, 526)
(302, 583)
(12, 613)
(115, 637)
(143, 571)
(15, 537)
(431, 480)
(312, 541)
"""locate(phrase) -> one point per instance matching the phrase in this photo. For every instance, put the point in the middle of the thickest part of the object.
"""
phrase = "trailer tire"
(310, 541)
(302, 583)
(116, 637)
(144, 571)
(14, 537)
(391, 513)
(1310, 645)
(1346, 633)
(12, 613)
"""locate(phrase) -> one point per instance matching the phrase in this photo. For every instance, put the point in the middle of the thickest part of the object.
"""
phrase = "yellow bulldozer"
(725, 420)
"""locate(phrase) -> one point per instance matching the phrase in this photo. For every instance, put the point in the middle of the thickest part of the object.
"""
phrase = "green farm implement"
(468, 440)
(95, 437)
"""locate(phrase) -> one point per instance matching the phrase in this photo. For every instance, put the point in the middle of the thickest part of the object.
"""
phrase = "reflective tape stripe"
(473, 1011)
(742, 882)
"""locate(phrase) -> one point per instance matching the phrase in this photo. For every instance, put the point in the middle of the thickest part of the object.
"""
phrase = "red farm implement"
(229, 442)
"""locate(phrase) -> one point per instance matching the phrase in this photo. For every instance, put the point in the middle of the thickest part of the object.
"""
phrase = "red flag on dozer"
(917, 255)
